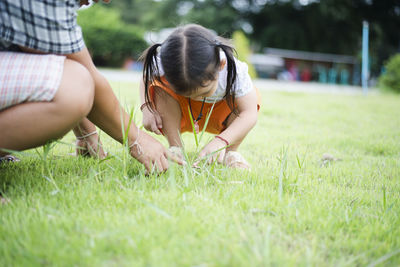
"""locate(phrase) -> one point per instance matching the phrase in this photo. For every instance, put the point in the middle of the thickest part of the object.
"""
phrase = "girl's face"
(206, 91)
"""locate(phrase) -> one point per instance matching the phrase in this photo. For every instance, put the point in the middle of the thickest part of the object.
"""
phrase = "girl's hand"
(207, 152)
(152, 121)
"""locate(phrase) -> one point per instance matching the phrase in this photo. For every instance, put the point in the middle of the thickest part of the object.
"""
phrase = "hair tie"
(217, 43)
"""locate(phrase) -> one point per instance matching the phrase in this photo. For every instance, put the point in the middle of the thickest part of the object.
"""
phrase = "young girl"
(189, 72)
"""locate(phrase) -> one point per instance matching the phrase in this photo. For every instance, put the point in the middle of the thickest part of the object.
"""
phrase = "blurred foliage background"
(110, 40)
(390, 78)
(242, 46)
(327, 26)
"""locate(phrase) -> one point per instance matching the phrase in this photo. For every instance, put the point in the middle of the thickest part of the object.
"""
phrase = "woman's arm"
(107, 114)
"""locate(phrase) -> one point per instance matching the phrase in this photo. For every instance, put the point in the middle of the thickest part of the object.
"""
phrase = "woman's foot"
(234, 159)
(90, 146)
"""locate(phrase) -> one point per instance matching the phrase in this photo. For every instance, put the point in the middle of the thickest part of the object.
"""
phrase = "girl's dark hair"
(190, 57)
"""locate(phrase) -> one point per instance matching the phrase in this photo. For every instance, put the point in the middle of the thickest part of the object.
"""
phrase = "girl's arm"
(238, 126)
(151, 120)
(242, 124)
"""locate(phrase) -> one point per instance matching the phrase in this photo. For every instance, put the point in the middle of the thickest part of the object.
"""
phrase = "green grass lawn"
(293, 209)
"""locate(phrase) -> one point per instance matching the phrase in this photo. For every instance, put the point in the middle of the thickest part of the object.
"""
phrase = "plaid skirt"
(28, 77)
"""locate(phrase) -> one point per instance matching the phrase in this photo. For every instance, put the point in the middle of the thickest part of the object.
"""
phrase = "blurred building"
(305, 66)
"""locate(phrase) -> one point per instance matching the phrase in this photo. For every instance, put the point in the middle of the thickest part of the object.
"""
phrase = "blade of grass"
(206, 122)
(193, 128)
(157, 209)
(282, 173)
(384, 258)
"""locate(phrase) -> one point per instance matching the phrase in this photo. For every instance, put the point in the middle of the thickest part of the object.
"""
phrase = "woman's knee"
(76, 91)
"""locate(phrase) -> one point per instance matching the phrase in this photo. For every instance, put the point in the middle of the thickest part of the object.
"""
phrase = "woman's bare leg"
(171, 115)
(32, 124)
(89, 146)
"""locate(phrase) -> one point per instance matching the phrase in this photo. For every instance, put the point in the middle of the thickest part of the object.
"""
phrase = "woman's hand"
(152, 120)
(210, 153)
(151, 153)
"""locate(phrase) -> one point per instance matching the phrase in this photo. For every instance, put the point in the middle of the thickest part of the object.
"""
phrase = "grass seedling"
(198, 137)
(205, 123)
(384, 197)
(46, 172)
(194, 166)
(194, 128)
(282, 173)
(125, 143)
(301, 161)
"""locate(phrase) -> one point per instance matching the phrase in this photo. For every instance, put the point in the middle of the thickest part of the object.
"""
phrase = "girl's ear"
(222, 64)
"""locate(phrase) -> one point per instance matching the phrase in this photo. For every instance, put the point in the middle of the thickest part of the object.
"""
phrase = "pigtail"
(231, 74)
(150, 70)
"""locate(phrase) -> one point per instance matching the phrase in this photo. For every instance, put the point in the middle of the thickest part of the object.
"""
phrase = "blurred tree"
(149, 14)
(109, 40)
(242, 46)
(332, 26)
(309, 27)
(219, 15)
(391, 78)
